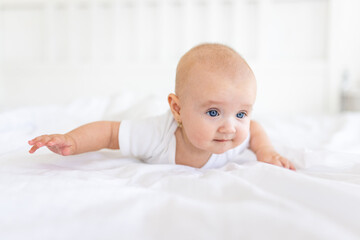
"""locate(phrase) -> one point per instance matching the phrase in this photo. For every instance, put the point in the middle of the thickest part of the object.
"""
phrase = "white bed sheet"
(102, 195)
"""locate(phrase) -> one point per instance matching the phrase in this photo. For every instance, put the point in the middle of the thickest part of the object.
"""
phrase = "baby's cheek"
(199, 135)
(242, 133)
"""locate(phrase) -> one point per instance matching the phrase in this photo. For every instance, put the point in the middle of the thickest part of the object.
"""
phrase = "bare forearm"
(95, 136)
(259, 139)
(260, 144)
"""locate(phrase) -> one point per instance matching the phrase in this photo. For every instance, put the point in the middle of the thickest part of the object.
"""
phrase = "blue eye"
(241, 115)
(213, 113)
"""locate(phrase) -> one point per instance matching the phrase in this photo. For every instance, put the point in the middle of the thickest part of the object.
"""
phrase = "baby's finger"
(277, 162)
(32, 142)
(33, 149)
(55, 140)
(285, 163)
(292, 167)
(39, 140)
(36, 146)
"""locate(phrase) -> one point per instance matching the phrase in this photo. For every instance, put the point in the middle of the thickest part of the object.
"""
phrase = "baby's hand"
(269, 155)
(58, 143)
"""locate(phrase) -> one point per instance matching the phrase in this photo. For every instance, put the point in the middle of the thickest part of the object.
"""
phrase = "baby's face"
(215, 108)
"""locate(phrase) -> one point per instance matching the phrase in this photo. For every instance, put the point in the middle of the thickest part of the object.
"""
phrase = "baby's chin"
(220, 147)
(221, 150)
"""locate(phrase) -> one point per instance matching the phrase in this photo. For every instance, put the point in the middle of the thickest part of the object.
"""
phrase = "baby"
(209, 122)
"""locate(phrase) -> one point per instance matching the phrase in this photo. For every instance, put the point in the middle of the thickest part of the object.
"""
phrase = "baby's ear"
(174, 104)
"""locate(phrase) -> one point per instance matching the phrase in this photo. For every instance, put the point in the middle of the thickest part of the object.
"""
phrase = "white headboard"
(53, 51)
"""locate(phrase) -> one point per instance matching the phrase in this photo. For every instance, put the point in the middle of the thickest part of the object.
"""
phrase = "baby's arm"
(90, 137)
(260, 144)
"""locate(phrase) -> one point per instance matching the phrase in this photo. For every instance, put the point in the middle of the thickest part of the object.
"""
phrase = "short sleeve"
(145, 138)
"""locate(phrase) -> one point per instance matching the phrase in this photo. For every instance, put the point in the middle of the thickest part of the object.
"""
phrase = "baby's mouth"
(222, 140)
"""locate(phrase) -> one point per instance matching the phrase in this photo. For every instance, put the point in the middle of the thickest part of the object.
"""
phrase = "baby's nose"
(227, 127)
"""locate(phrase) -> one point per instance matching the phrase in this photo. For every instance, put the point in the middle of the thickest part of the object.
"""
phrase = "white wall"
(347, 40)
(54, 51)
(344, 60)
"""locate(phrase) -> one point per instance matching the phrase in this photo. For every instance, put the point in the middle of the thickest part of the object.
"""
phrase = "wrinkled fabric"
(102, 195)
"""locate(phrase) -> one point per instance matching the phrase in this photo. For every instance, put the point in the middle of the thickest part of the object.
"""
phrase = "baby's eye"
(240, 115)
(212, 113)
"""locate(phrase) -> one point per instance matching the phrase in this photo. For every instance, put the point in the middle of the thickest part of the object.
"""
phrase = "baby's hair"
(214, 56)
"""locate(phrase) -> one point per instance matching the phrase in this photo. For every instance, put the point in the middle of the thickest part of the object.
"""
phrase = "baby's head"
(214, 94)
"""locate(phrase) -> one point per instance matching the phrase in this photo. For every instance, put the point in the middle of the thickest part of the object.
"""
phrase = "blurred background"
(305, 53)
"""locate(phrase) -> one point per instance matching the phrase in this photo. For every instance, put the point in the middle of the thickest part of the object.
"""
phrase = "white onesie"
(152, 140)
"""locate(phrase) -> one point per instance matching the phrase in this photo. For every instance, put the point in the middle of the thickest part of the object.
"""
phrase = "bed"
(102, 195)
(65, 63)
